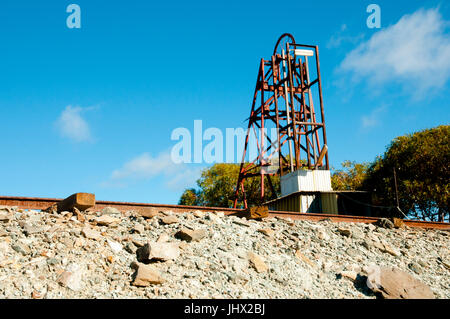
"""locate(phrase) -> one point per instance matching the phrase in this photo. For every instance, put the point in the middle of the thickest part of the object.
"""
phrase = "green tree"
(421, 161)
(351, 177)
(217, 184)
(190, 197)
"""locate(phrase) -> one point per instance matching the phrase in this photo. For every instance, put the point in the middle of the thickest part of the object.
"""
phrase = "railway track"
(147, 209)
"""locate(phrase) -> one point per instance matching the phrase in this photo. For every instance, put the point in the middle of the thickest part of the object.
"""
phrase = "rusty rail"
(143, 208)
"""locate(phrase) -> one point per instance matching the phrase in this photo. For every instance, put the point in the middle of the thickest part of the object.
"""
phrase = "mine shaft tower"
(286, 88)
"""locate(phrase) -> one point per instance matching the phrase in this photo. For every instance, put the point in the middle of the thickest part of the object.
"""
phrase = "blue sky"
(92, 109)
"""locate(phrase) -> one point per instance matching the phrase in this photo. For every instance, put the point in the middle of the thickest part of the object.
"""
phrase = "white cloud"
(72, 125)
(340, 37)
(183, 179)
(372, 119)
(146, 167)
(415, 51)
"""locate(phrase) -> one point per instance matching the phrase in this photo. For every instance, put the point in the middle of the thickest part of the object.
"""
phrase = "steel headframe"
(283, 100)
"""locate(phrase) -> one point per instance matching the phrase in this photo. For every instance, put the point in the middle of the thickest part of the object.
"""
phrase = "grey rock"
(393, 283)
(367, 244)
(111, 211)
(30, 229)
(139, 228)
(352, 252)
(131, 248)
(344, 232)
(422, 263)
(300, 264)
(357, 234)
(171, 219)
(52, 261)
(190, 274)
(71, 277)
(147, 275)
(5, 217)
(90, 233)
(158, 251)
(191, 235)
(415, 267)
(257, 262)
(21, 248)
(385, 223)
(108, 220)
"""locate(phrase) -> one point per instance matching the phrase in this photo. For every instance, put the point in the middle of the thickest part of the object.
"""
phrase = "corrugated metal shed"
(333, 202)
(306, 181)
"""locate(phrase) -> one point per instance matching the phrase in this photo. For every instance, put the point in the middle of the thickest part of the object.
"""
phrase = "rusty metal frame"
(284, 79)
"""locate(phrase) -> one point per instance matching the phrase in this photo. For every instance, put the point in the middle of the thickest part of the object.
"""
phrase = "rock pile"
(109, 254)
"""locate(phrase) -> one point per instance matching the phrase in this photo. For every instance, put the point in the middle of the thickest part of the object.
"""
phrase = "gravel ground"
(109, 254)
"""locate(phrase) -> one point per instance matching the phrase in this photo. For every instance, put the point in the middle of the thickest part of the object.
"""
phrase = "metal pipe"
(303, 105)
(321, 105)
(311, 106)
(275, 81)
(291, 159)
(291, 91)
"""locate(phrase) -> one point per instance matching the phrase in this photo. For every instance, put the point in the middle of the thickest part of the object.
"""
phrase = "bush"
(421, 161)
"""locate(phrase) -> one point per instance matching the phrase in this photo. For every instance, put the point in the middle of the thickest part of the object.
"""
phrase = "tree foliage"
(351, 177)
(190, 197)
(421, 161)
(217, 184)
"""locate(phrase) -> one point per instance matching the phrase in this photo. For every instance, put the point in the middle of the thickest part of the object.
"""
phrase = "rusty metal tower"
(286, 88)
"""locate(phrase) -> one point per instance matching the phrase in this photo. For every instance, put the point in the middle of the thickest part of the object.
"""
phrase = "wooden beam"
(81, 201)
